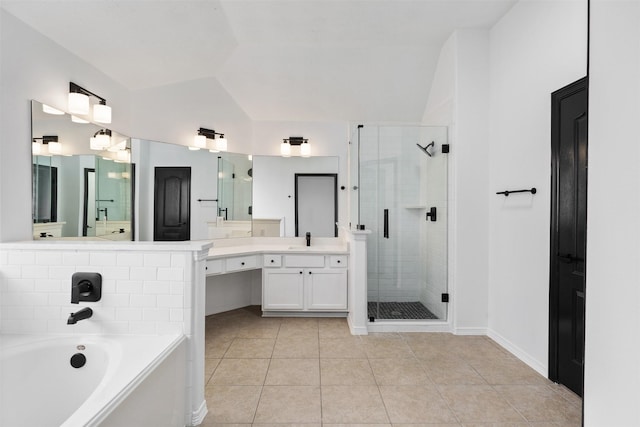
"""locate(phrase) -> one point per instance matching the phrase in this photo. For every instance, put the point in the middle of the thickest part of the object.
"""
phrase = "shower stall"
(399, 192)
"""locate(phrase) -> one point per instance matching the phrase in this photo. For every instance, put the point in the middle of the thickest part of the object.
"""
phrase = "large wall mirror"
(81, 178)
(81, 193)
(295, 195)
(218, 187)
(231, 195)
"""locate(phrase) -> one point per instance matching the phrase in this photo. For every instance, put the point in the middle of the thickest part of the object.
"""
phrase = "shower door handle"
(385, 232)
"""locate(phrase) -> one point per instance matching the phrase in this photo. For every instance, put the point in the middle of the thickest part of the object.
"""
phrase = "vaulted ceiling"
(311, 60)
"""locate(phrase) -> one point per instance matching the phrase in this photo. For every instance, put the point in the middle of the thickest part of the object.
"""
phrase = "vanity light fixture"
(79, 104)
(303, 143)
(200, 140)
(51, 141)
(101, 140)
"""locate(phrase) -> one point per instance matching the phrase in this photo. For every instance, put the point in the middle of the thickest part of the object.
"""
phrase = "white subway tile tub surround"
(145, 287)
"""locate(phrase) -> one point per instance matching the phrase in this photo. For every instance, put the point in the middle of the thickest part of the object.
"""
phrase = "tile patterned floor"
(289, 371)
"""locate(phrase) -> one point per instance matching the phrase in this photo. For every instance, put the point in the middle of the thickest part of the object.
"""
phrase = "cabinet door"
(326, 289)
(282, 289)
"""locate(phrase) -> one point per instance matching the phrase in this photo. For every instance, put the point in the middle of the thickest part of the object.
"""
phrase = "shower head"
(426, 148)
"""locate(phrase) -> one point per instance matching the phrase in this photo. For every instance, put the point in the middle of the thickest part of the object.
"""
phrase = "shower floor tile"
(399, 310)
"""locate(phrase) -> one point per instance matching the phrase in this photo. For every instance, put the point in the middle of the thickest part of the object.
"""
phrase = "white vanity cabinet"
(304, 283)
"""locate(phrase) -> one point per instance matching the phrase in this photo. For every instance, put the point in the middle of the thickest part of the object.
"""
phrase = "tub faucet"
(308, 235)
(85, 313)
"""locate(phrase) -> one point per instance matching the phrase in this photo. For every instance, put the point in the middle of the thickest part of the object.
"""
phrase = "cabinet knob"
(272, 261)
(301, 272)
(309, 272)
(206, 268)
(338, 261)
(242, 263)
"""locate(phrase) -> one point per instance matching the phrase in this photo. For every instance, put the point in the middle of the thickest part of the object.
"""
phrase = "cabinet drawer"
(214, 266)
(241, 263)
(337, 261)
(304, 261)
(272, 261)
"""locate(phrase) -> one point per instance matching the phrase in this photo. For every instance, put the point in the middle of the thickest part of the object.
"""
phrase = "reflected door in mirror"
(172, 221)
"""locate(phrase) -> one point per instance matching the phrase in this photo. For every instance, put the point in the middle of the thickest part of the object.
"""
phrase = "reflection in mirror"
(274, 193)
(234, 197)
(79, 192)
(220, 186)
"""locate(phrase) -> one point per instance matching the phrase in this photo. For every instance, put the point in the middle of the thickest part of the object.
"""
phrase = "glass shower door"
(400, 186)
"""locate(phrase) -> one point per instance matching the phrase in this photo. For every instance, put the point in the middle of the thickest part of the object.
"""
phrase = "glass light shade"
(221, 144)
(101, 113)
(285, 149)
(55, 147)
(123, 156)
(200, 141)
(100, 142)
(50, 110)
(78, 103)
(36, 148)
(305, 149)
(76, 119)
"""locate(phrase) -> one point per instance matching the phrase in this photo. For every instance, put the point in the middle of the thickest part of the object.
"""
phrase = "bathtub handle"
(83, 288)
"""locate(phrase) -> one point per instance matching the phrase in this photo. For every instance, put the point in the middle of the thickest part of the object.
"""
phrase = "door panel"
(568, 235)
(172, 204)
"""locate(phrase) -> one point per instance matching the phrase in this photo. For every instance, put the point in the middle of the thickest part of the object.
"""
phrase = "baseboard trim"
(534, 364)
(470, 331)
(356, 330)
(197, 417)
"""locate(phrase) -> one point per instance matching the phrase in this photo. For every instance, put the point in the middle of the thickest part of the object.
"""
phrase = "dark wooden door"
(568, 234)
(172, 202)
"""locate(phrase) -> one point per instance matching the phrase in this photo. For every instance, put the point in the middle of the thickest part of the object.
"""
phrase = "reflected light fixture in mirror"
(78, 103)
(101, 140)
(53, 146)
(200, 140)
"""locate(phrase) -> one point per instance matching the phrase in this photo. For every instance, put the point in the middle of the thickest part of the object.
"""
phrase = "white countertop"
(293, 245)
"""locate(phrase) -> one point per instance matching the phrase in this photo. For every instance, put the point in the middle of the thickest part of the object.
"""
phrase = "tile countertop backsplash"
(146, 286)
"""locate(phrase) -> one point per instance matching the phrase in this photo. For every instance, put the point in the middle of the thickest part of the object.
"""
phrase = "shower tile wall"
(143, 292)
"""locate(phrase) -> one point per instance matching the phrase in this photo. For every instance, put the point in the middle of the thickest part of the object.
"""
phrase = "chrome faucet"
(308, 235)
(85, 313)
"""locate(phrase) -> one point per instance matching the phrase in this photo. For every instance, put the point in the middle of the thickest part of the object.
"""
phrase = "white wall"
(537, 48)
(174, 113)
(612, 373)
(34, 67)
(459, 100)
